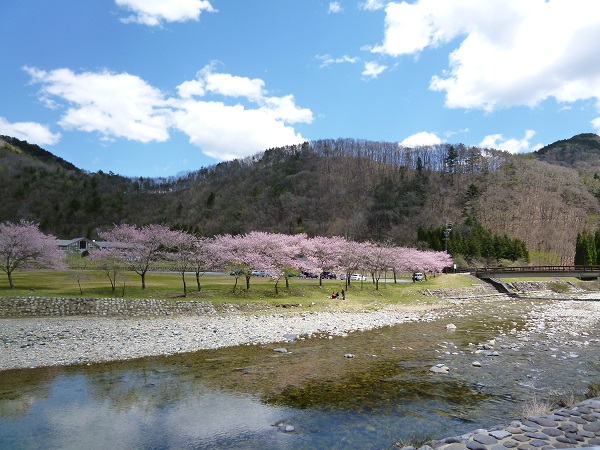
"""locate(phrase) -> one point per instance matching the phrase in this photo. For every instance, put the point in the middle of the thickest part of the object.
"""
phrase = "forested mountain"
(353, 188)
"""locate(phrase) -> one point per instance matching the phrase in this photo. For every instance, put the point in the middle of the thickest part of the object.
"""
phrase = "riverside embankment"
(501, 348)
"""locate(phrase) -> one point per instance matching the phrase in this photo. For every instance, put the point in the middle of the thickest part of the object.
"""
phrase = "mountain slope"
(358, 189)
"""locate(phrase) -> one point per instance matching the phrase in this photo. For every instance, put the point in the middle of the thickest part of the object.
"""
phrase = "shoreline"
(29, 342)
(57, 341)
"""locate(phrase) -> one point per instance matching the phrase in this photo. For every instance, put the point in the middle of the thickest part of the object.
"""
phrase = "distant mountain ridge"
(582, 148)
(34, 151)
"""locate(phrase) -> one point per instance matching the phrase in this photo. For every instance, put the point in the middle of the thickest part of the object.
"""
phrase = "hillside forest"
(531, 207)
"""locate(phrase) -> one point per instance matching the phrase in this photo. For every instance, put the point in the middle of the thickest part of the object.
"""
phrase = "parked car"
(328, 275)
(357, 277)
(417, 276)
(260, 273)
(310, 275)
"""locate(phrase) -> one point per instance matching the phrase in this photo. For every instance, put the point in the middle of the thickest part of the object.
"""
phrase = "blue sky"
(158, 87)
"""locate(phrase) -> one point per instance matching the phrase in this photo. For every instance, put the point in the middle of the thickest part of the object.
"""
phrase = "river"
(369, 390)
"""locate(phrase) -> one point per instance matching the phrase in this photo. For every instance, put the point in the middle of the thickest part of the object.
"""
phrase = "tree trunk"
(248, 282)
(198, 281)
(184, 285)
(10, 280)
(143, 280)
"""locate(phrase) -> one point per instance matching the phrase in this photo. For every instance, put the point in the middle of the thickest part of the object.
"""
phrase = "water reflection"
(244, 397)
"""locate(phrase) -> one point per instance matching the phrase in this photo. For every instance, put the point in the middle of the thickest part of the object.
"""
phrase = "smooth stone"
(514, 430)
(539, 436)
(563, 445)
(524, 446)
(528, 425)
(500, 434)
(579, 420)
(575, 436)
(594, 441)
(537, 443)
(455, 446)
(544, 421)
(476, 364)
(485, 439)
(474, 445)
(593, 426)
(439, 369)
(552, 432)
(510, 443)
(568, 427)
(349, 355)
(289, 428)
(566, 440)
(497, 447)
(520, 438)
(280, 350)
(586, 434)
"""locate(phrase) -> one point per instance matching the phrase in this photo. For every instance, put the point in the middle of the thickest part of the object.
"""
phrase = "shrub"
(559, 287)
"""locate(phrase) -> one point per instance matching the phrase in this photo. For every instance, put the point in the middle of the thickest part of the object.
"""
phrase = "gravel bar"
(51, 341)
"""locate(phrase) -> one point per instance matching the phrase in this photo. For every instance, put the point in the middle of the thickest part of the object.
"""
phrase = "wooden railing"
(540, 269)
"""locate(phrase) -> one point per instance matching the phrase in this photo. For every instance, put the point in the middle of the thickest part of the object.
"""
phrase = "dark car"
(329, 275)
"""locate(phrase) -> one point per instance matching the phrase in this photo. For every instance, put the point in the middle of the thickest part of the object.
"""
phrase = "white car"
(357, 277)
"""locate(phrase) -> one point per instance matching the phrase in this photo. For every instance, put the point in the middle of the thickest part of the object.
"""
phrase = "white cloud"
(596, 123)
(154, 12)
(207, 109)
(372, 5)
(228, 132)
(421, 139)
(230, 85)
(509, 52)
(113, 104)
(511, 145)
(373, 70)
(32, 132)
(334, 8)
(327, 60)
(191, 88)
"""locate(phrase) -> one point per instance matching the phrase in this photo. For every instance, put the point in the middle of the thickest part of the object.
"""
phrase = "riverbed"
(319, 385)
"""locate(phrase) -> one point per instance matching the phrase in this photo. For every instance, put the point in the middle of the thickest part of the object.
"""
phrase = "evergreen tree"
(585, 249)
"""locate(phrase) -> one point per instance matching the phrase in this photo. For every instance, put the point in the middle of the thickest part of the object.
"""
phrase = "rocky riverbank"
(47, 341)
(576, 426)
(27, 342)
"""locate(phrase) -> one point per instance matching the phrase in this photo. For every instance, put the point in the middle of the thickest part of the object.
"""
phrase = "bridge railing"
(540, 269)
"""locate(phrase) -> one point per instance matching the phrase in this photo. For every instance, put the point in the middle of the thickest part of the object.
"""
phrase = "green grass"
(219, 288)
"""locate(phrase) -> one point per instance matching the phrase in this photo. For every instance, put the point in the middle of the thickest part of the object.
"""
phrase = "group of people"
(337, 295)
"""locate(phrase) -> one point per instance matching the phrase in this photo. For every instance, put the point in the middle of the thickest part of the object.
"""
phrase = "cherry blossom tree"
(23, 245)
(280, 253)
(110, 262)
(257, 250)
(378, 260)
(352, 258)
(179, 249)
(238, 254)
(325, 253)
(205, 257)
(141, 246)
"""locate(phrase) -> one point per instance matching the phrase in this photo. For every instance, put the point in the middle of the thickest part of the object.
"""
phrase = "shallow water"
(243, 397)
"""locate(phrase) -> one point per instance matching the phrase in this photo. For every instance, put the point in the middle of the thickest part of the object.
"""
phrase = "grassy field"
(219, 288)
